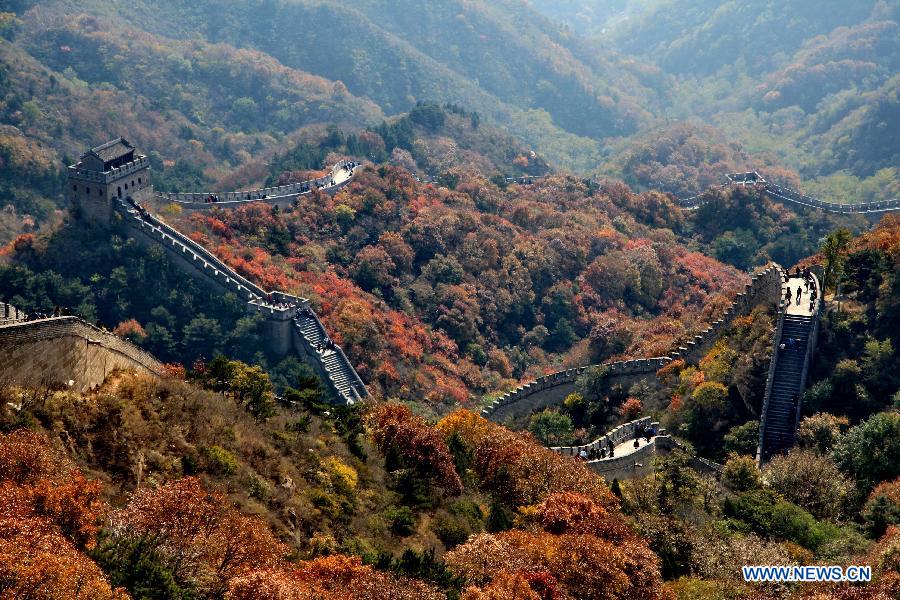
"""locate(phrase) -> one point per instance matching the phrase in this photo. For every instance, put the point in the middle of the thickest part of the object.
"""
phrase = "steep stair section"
(787, 386)
(341, 374)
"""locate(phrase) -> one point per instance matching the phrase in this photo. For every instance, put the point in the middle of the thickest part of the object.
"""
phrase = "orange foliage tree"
(335, 577)
(206, 540)
(581, 565)
(48, 514)
(516, 469)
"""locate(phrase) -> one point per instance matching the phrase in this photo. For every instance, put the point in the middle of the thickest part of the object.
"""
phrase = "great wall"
(291, 323)
(551, 390)
(90, 354)
(792, 197)
(111, 186)
(779, 416)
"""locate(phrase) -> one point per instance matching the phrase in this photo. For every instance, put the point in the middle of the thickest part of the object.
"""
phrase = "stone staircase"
(341, 374)
(787, 385)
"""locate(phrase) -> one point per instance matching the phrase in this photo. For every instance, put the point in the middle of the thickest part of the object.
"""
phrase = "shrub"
(870, 452)
(810, 480)
(740, 474)
(551, 428)
(401, 520)
(770, 516)
(821, 431)
(743, 439)
(220, 461)
(882, 509)
(451, 530)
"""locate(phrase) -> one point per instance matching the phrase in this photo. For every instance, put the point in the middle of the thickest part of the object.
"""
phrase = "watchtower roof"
(112, 150)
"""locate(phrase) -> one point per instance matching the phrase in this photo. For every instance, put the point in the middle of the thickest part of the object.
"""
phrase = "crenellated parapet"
(785, 194)
(551, 390)
(285, 315)
(635, 445)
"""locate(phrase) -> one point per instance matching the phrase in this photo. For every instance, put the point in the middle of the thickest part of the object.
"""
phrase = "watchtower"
(107, 172)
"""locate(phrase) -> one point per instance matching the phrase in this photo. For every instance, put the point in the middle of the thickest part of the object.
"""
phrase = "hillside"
(804, 91)
(83, 72)
(545, 87)
(150, 484)
(458, 309)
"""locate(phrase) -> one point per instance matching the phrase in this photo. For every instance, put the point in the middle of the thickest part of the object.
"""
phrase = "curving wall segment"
(785, 194)
(67, 352)
(283, 196)
(551, 390)
(631, 461)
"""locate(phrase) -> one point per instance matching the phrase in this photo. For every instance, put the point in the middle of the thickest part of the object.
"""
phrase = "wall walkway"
(785, 194)
(632, 458)
(282, 196)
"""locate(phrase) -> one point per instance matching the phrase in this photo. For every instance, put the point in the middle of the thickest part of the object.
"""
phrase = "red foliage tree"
(396, 430)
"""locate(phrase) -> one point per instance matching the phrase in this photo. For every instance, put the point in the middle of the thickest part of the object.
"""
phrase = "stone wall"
(551, 390)
(764, 288)
(784, 194)
(638, 463)
(10, 314)
(66, 351)
(281, 311)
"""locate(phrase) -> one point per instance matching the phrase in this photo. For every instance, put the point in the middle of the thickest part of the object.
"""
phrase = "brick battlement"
(290, 321)
(283, 196)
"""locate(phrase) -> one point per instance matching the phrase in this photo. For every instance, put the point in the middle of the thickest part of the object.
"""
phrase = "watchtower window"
(120, 192)
(74, 188)
(139, 181)
(87, 191)
(101, 191)
(126, 186)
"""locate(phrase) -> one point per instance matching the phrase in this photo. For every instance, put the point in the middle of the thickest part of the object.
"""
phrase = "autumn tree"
(207, 542)
(49, 514)
(810, 480)
(409, 442)
(515, 469)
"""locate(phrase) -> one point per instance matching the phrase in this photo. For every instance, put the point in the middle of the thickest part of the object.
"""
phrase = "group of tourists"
(211, 198)
(328, 344)
(596, 453)
(808, 285)
(607, 449)
(642, 431)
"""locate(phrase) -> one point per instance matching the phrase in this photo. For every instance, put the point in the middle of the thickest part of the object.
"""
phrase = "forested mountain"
(513, 214)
